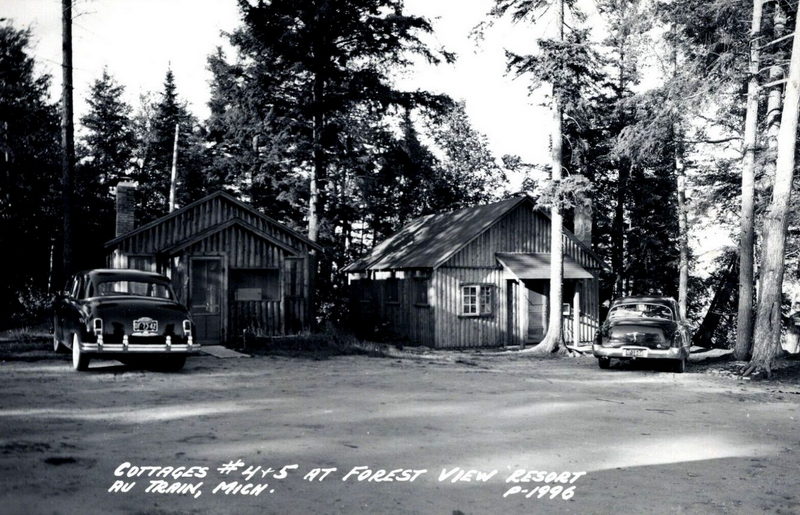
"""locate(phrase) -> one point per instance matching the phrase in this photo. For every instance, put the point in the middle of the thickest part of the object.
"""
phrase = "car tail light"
(97, 324)
(187, 327)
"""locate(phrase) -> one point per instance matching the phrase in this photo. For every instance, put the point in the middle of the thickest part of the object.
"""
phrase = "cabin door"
(537, 310)
(205, 302)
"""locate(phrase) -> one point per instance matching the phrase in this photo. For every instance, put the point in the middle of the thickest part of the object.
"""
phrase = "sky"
(139, 39)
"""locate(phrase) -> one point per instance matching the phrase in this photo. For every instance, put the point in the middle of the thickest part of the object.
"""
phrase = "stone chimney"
(582, 222)
(126, 221)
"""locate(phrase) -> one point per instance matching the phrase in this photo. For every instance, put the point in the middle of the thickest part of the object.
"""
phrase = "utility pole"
(67, 137)
(174, 176)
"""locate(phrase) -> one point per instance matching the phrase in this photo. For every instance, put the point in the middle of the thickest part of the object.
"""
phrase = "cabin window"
(393, 289)
(255, 284)
(477, 299)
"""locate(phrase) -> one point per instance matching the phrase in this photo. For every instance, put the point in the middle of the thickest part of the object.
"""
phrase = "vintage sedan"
(643, 328)
(122, 314)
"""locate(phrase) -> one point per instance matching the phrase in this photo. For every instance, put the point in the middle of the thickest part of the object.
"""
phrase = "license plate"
(145, 325)
(634, 353)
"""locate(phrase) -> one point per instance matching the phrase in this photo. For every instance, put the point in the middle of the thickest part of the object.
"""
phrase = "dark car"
(122, 314)
(643, 328)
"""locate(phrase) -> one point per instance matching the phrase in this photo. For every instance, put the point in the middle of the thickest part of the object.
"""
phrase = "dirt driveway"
(647, 441)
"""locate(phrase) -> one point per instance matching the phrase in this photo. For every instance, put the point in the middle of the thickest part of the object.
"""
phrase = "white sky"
(138, 39)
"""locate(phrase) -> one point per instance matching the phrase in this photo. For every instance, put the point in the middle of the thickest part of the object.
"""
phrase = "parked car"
(122, 314)
(643, 328)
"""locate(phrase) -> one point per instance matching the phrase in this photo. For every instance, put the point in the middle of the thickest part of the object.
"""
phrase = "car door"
(71, 309)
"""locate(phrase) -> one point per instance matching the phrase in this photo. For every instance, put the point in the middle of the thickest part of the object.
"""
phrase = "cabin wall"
(242, 253)
(455, 330)
(405, 318)
(521, 230)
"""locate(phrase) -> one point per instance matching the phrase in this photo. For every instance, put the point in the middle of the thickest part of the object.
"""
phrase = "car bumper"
(620, 352)
(139, 348)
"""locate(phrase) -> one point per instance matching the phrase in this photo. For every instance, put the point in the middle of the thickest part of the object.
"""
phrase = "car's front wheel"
(80, 361)
(680, 365)
(604, 362)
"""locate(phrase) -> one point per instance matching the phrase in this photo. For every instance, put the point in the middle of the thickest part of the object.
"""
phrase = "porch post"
(576, 315)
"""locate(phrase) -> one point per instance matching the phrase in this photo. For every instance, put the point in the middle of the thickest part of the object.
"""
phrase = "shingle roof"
(428, 241)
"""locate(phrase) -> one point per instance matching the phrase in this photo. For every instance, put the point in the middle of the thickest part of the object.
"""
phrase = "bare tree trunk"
(744, 324)
(67, 137)
(174, 175)
(553, 338)
(720, 304)
(768, 314)
(318, 173)
(683, 225)
(618, 231)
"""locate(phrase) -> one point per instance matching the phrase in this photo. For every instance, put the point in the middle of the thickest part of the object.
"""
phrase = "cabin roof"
(224, 195)
(214, 229)
(429, 240)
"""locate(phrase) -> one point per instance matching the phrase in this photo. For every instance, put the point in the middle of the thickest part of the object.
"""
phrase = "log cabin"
(475, 277)
(236, 269)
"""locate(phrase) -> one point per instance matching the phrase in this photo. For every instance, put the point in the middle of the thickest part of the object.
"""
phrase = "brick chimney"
(582, 221)
(126, 221)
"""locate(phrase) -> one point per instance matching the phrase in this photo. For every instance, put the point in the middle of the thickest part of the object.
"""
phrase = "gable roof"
(235, 221)
(429, 241)
(222, 194)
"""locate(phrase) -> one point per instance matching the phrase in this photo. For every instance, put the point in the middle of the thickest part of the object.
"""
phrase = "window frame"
(484, 303)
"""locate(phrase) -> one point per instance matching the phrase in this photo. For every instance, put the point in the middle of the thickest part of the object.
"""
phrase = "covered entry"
(532, 272)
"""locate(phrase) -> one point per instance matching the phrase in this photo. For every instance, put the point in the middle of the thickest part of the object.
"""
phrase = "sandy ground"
(649, 441)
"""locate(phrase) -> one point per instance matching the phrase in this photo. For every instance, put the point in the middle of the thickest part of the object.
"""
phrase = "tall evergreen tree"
(30, 220)
(156, 141)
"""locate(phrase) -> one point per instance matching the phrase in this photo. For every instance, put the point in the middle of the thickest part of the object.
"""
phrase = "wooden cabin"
(476, 277)
(236, 269)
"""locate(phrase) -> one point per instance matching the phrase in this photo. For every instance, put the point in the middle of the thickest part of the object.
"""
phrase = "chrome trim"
(121, 348)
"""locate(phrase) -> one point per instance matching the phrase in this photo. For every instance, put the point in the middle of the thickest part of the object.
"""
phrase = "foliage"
(156, 138)
(29, 174)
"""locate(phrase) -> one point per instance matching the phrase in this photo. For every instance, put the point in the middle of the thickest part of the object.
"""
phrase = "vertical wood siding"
(443, 326)
(403, 319)
(241, 249)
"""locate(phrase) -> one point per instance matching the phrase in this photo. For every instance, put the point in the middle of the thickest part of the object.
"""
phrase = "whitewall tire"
(80, 361)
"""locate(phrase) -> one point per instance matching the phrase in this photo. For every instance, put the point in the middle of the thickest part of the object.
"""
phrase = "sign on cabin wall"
(248, 294)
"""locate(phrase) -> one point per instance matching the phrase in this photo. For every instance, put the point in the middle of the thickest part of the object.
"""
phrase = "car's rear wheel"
(604, 362)
(58, 345)
(680, 366)
(80, 361)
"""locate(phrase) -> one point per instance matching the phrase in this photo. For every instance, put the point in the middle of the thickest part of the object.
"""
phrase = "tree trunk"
(683, 225)
(67, 137)
(318, 173)
(744, 319)
(618, 231)
(720, 304)
(554, 339)
(767, 334)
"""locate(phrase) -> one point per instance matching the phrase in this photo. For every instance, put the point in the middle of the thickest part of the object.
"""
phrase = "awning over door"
(537, 266)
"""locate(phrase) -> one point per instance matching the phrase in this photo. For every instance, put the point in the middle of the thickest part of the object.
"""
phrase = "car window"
(74, 290)
(136, 288)
(643, 310)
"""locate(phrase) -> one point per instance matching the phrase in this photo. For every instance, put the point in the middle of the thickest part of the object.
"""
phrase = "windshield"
(139, 288)
(641, 311)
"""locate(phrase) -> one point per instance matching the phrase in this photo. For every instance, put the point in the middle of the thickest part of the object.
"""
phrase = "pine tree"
(156, 138)
(30, 208)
